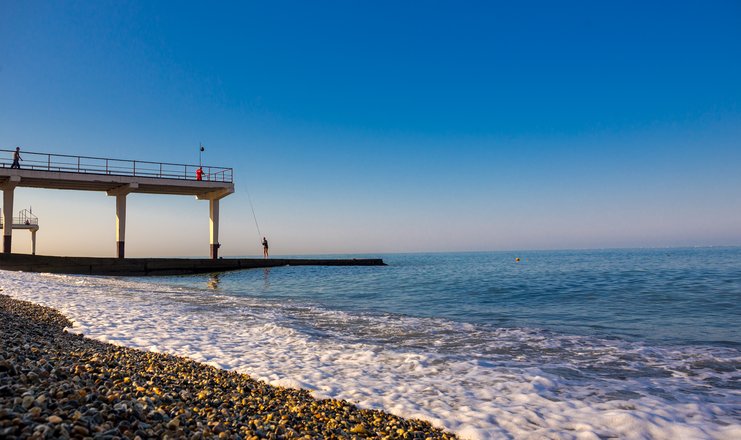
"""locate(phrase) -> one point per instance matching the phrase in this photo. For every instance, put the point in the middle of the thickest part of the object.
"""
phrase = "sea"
(585, 344)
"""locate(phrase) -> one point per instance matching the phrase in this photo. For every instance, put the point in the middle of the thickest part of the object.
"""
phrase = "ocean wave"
(477, 380)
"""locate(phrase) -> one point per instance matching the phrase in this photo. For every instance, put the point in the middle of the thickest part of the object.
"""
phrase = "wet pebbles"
(55, 384)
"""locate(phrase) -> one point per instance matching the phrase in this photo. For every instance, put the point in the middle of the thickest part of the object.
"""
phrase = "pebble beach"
(55, 384)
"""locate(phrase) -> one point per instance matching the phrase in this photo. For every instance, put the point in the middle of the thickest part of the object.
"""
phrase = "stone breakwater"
(55, 384)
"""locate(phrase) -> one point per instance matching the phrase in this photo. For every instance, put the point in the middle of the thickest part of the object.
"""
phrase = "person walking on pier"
(16, 158)
(264, 247)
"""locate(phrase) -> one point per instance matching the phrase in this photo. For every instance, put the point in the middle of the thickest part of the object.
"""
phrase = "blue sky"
(386, 127)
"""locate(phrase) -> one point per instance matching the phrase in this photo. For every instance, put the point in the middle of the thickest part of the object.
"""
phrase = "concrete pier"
(160, 266)
(117, 178)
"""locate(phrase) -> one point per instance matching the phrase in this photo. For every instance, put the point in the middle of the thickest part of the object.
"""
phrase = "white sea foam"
(513, 383)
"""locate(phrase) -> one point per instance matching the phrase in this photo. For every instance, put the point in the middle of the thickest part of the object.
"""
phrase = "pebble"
(55, 384)
(27, 402)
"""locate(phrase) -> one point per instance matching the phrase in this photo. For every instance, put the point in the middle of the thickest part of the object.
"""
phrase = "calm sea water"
(666, 296)
(563, 344)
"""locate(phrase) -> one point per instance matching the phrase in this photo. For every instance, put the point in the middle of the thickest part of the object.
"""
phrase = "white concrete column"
(120, 224)
(8, 193)
(120, 193)
(33, 241)
(213, 198)
(213, 218)
(8, 188)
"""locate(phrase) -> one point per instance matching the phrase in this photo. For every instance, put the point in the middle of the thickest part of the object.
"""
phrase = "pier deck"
(118, 178)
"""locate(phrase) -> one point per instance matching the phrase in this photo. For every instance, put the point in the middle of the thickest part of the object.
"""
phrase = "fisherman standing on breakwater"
(264, 247)
(16, 158)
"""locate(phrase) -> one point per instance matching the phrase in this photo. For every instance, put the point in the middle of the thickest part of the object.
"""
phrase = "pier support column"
(213, 219)
(121, 193)
(33, 241)
(7, 219)
(8, 188)
(120, 224)
(213, 198)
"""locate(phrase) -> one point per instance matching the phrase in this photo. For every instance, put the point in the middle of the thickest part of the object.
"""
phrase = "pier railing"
(119, 167)
(22, 221)
(25, 217)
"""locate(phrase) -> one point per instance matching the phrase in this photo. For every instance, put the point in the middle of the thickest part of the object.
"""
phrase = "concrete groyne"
(159, 266)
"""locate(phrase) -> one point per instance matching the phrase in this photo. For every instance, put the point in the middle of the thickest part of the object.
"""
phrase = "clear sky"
(386, 126)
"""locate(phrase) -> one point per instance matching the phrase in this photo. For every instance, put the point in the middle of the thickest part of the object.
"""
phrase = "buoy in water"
(517, 259)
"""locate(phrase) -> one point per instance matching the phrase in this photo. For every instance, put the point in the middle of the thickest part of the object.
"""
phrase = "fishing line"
(249, 198)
